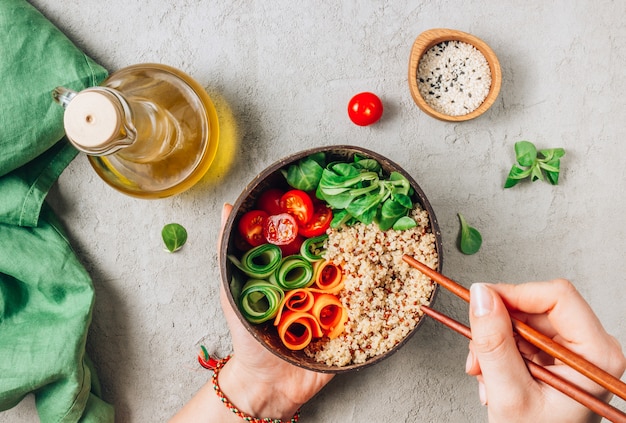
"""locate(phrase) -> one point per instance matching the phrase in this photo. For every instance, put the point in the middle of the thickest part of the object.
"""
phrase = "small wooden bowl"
(432, 37)
(271, 177)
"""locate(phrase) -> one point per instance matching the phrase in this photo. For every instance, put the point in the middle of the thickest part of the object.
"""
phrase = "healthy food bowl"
(453, 76)
(345, 299)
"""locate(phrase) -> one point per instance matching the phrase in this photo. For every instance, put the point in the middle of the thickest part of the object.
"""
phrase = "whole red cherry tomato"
(251, 227)
(280, 229)
(269, 201)
(298, 204)
(365, 108)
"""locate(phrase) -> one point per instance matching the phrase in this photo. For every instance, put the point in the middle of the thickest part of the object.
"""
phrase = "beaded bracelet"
(231, 406)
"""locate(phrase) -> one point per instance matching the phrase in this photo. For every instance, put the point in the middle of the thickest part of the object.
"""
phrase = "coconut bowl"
(265, 333)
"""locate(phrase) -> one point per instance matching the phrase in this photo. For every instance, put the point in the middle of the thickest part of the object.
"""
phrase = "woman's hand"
(256, 381)
(556, 309)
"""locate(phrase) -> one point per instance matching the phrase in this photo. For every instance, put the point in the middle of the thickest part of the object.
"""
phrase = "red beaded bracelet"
(231, 406)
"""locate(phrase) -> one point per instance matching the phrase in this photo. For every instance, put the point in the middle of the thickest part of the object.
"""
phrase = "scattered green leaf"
(526, 153)
(174, 236)
(535, 164)
(470, 239)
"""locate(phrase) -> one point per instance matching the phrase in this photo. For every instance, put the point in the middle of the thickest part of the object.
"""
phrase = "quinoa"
(382, 294)
(454, 78)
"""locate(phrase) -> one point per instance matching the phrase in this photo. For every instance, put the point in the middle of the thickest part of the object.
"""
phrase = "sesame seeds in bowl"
(453, 76)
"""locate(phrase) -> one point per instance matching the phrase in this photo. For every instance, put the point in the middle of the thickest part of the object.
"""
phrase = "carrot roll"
(328, 277)
(296, 329)
(330, 314)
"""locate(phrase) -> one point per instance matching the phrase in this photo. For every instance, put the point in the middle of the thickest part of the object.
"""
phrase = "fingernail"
(482, 393)
(469, 362)
(481, 300)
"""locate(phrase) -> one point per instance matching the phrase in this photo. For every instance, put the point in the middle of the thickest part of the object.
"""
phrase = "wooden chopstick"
(541, 341)
(541, 373)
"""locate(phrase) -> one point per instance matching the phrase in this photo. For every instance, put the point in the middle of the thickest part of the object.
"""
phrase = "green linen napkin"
(46, 295)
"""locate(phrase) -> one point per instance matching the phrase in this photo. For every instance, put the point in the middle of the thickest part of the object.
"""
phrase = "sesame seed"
(462, 76)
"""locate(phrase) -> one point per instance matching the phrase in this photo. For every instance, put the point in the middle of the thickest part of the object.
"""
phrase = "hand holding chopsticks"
(573, 323)
(544, 375)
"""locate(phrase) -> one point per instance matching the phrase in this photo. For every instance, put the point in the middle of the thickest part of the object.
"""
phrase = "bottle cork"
(93, 120)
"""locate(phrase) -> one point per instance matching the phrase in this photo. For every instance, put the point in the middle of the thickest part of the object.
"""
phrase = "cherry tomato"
(280, 229)
(365, 109)
(269, 201)
(293, 247)
(251, 227)
(298, 204)
(320, 221)
(241, 243)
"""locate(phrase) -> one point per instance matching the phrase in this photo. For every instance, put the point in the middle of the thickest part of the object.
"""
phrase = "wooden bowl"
(266, 333)
(432, 37)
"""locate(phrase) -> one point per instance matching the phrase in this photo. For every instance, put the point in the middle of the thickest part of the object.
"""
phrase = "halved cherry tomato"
(293, 247)
(251, 227)
(298, 204)
(320, 221)
(269, 201)
(365, 109)
(280, 229)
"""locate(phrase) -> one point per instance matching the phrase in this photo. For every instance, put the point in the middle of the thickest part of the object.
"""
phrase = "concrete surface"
(282, 73)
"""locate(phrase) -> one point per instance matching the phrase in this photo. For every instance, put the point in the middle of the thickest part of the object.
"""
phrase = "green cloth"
(46, 295)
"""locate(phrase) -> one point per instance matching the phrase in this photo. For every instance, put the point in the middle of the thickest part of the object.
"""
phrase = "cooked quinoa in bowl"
(376, 307)
(382, 294)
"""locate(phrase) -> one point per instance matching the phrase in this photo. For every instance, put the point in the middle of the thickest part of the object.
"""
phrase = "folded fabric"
(24, 189)
(46, 295)
(36, 57)
(46, 298)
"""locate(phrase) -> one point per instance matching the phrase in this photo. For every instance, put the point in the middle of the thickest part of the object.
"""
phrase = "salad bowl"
(232, 246)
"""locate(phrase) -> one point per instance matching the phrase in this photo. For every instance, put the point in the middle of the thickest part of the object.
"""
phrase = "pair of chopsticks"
(544, 343)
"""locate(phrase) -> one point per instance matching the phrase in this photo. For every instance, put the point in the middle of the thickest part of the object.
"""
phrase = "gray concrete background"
(281, 73)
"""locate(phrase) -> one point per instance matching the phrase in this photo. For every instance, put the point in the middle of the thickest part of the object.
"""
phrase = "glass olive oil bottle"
(150, 131)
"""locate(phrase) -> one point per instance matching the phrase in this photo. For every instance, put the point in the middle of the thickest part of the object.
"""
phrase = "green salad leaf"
(526, 153)
(174, 236)
(535, 164)
(367, 164)
(306, 174)
(390, 211)
(404, 223)
(470, 239)
(357, 191)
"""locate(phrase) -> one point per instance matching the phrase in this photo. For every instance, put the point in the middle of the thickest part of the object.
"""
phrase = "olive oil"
(167, 133)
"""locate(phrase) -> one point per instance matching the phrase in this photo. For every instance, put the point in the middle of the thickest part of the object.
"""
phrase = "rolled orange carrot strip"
(330, 314)
(328, 276)
(300, 299)
(296, 329)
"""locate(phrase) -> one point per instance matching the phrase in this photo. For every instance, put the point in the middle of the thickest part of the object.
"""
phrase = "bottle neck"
(102, 121)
